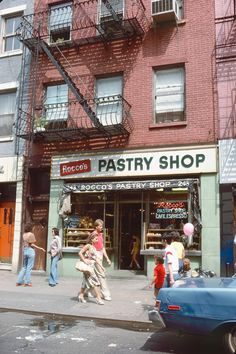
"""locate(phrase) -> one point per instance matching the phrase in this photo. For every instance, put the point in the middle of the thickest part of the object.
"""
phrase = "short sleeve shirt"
(171, 257)
(159, 274)
(99, 245)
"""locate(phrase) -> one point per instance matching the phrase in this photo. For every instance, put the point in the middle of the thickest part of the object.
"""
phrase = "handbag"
(60, 254)
(83, 267)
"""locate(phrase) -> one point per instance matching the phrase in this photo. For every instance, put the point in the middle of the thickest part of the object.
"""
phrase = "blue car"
(200, 306)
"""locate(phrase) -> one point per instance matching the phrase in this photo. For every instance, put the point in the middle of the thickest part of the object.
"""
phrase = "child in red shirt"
(159, 276)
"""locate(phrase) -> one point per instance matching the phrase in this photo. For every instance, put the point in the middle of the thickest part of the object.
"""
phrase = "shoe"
(19, 284)
(107, 298)
(81, 299)
(52, 285)
(29, 284)
(99, 302)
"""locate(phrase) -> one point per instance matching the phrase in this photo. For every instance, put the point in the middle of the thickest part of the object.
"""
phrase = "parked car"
(200, 306)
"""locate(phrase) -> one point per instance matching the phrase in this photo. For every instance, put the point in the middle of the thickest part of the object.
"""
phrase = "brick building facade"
(119, 123)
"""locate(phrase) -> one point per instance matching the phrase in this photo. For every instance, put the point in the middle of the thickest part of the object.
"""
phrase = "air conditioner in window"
(165, 10)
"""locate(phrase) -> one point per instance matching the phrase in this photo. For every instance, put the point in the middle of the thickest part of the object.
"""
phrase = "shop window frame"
(82, 230)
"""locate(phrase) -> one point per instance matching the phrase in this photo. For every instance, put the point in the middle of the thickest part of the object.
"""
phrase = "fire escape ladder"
(82, 101)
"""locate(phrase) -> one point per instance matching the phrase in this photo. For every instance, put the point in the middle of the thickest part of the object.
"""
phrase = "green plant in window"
(39, 124)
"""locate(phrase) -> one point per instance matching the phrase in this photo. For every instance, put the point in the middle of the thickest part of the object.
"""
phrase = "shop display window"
(169, 211)
(147, 213)
(85, 209)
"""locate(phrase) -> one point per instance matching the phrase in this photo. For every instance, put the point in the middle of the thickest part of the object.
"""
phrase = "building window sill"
(6, 138)
(11, 54)
(167, 125)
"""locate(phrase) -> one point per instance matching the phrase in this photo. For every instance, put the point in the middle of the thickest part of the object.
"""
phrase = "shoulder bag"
(83, 267)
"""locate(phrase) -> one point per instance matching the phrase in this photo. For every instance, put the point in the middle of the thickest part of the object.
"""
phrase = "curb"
(136, 326)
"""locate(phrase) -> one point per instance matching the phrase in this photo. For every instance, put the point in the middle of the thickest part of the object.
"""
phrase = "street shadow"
(172, 342)
(74, 298)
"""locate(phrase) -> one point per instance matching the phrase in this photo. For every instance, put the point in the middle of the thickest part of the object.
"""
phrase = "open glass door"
(130, 235)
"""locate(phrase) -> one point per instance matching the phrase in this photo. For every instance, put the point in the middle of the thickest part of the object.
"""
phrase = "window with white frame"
(169, 95)
(56, 102)
(7, 111)
(109, 100)
(10, 40)
(60, 22)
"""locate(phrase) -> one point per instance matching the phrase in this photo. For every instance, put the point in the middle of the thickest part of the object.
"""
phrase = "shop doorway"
(40, 230)
(7, 213)
(129, 226)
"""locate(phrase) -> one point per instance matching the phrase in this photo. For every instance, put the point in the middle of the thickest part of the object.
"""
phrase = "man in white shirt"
(171, 261)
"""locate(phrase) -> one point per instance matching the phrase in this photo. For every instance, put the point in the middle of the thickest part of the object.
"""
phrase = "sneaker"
(19, 284)
(107, 298)
(99, 301)
(29, 284)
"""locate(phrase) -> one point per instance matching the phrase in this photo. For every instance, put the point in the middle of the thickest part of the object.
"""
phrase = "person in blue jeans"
(55, 252)
(29, 240)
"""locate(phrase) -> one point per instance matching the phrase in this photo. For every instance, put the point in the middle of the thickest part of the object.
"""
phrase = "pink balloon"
(188, 229)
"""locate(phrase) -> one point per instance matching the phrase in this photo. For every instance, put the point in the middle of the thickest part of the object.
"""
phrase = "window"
(109, 100)
(107, 23)
(56, 103)
(60, 22)
(169, 95)
(10, 40)
(117, 6)
(7, 110)
(85, 208)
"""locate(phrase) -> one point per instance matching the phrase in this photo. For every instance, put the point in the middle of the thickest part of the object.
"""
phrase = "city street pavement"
(131, 298)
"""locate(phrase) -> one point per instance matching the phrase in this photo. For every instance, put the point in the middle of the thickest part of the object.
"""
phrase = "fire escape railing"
(225, 36)
(87, 22)
(67, 121)
(225, 61)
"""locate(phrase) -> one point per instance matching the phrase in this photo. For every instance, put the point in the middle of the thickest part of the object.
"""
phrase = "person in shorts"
(159, 276)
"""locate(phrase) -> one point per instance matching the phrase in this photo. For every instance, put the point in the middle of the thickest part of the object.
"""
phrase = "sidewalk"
(131, 298)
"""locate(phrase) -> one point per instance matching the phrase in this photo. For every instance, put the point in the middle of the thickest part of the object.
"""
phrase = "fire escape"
(225, 56)
(52, 33)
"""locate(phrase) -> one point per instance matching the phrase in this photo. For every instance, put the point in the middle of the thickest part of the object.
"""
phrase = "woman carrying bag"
(88, 261)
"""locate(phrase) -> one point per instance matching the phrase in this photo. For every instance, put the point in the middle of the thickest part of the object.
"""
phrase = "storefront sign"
(126, 185)
(136, 163)
(72, 168)
(167, 210)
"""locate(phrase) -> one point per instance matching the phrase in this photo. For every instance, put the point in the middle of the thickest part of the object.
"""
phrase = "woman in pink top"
(101, 252)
